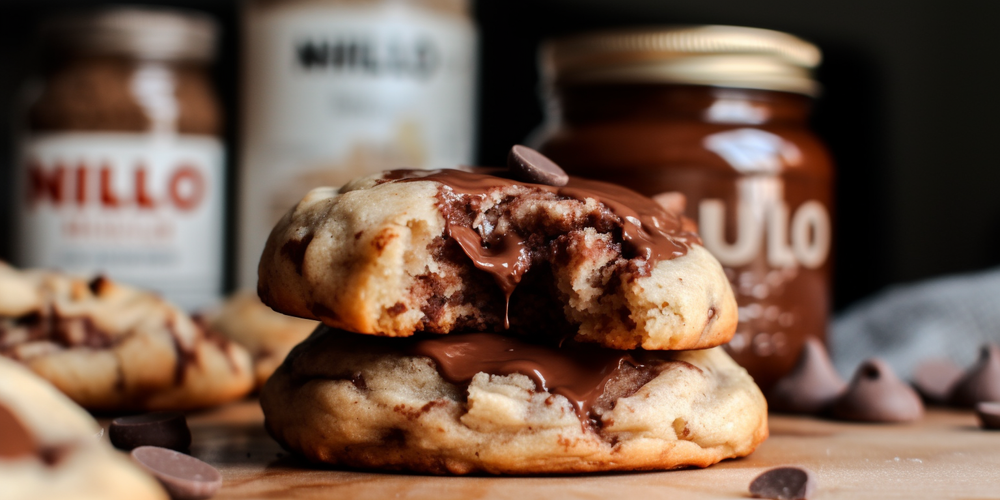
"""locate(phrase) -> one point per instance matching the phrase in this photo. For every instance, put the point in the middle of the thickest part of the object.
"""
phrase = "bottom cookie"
(371, 402)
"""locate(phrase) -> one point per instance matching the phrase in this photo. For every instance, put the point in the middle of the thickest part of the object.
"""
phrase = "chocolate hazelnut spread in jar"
(121, 162)
(719, 114)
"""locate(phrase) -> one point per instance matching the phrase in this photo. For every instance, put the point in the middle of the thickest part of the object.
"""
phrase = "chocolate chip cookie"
(49, 447)
(450, 251)
(111, 347)
(483, 402)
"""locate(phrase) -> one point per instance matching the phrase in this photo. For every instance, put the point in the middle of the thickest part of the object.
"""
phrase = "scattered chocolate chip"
(15, 439)
(876, 394)
(811, 386)
(529, 165)
(989, 414)
(935, 378)
(163, 429)
(183, 476)
(784, 483)
(981, 382)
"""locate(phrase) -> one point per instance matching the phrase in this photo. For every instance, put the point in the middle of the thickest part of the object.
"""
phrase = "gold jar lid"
(147, 33)
(722, 56)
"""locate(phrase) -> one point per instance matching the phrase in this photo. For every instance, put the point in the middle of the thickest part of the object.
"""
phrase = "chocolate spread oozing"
(583, 374)
(647, 232)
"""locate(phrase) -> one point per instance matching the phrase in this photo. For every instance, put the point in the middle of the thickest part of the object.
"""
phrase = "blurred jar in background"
(720, 114)
(336, 89)
(121, 164)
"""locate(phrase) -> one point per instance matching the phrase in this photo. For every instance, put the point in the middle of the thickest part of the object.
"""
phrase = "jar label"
(146, 209)
(772, 234)
(334, 92)
(800, 239)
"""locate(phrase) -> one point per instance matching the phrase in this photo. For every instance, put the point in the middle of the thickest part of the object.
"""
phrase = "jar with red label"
(720, 114)
(120, 168)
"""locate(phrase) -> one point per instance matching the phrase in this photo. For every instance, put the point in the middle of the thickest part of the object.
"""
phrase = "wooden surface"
(944, 456)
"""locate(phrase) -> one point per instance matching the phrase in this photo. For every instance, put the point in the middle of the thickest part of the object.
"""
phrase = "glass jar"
(121, 167)
(338, 89)
(720, 115)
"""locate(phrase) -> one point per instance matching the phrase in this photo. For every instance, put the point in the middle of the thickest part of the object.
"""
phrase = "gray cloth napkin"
(948, 317)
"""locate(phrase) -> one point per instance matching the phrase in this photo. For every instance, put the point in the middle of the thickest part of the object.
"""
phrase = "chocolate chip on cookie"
(529, 165)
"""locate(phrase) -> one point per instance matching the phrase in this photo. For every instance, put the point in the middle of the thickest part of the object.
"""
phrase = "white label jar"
(121, 166)
(339, 89)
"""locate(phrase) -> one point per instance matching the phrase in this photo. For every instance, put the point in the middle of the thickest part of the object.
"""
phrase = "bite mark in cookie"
(451, 251)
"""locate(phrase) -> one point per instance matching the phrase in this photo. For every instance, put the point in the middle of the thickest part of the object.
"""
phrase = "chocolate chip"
(15, 439)
(811, 386)
(529, 165)
(184, 477)
(163, 429)
(784, 483)
(981, 382)
(876, 394)
(935, 378)
(989, 414)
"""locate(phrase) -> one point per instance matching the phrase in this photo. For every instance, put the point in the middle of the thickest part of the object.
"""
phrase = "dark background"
(909, 109)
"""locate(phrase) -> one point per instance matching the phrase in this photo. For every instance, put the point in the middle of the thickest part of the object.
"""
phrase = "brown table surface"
(945, 455)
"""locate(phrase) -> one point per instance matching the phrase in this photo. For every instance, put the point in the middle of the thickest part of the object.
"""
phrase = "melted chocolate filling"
(581, 373)
(648, 232)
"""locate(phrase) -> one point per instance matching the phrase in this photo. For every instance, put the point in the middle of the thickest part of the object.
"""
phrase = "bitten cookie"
(423, 404)
(268, 335)
(442, 251)
(111, 347)
(49, 448)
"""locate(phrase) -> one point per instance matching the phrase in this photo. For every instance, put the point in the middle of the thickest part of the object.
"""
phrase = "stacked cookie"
(542, 324)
